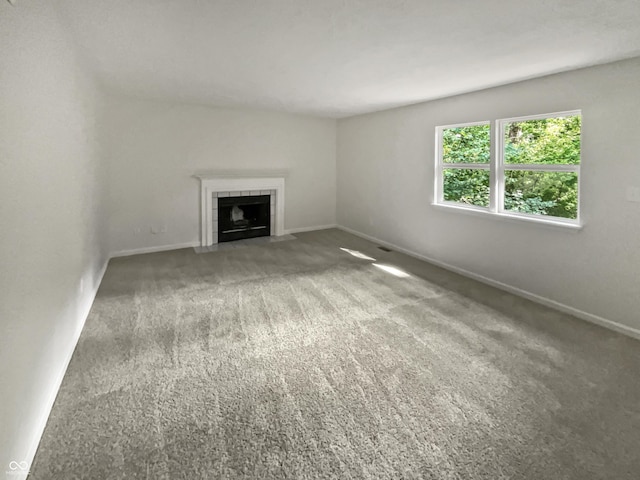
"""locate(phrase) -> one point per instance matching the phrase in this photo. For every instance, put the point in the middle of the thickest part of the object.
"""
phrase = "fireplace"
(243, 217)
(221, 184)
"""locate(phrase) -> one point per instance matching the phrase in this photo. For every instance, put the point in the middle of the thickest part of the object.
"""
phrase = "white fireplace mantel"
(238, 181)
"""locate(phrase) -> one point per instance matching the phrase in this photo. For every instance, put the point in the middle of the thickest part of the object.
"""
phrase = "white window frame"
(497, 168)
(441, 166)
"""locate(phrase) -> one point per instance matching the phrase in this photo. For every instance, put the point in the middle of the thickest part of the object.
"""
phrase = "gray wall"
(51, 253)
(154, 148)
(385, 190)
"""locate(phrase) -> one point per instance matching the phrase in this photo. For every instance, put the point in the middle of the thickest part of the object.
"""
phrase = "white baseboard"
(310, 229)
(589, 317)
(84, 314)
(177, 246)
(161, 248)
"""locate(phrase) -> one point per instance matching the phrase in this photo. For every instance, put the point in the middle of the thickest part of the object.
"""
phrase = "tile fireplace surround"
(219, 184)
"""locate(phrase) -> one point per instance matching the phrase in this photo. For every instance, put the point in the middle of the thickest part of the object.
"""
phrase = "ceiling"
(340, 57)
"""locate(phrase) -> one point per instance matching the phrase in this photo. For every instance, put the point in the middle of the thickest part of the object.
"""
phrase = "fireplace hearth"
(244, 217)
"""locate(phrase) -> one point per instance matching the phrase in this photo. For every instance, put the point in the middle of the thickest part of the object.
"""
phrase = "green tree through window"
(467, 152)
(549, 142)
(537, 174)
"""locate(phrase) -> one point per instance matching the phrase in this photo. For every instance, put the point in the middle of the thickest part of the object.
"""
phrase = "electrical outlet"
(154, 230)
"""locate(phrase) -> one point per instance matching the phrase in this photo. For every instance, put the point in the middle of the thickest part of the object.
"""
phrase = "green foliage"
(544, 141)
(467, 186)
(551, 193)
(516, 201)
(467, 144)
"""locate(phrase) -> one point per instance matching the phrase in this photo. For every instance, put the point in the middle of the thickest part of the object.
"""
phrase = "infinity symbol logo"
(13, 465)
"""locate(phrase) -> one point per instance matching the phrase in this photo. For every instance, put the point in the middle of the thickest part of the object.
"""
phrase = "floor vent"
(385, 249)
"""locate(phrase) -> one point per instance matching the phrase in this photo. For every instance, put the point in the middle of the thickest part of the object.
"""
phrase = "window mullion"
(497, 172)
(543, 167)
(439, 170)
(467, 166)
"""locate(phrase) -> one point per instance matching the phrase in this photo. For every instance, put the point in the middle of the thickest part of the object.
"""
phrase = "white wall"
(385, 188)
(155, 148)
(54, 208)
(50, 247)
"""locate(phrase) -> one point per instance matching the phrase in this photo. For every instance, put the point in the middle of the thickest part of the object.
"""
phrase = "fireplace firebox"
(243, 217)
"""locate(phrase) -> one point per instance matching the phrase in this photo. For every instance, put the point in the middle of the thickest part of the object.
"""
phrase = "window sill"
(481, 212)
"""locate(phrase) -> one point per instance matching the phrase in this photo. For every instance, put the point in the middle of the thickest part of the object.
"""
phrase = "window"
(530, 170)
(466, 158)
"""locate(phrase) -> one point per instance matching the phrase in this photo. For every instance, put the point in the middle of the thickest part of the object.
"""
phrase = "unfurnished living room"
(319, 239)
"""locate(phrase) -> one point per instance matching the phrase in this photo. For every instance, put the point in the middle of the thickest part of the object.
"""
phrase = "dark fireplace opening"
(243, 217)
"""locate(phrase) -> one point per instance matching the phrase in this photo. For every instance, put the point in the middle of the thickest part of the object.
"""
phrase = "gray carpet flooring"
(299, 360)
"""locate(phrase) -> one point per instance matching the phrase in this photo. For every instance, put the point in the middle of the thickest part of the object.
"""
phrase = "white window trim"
(516, 217)
(440, 166)
(497, 169)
